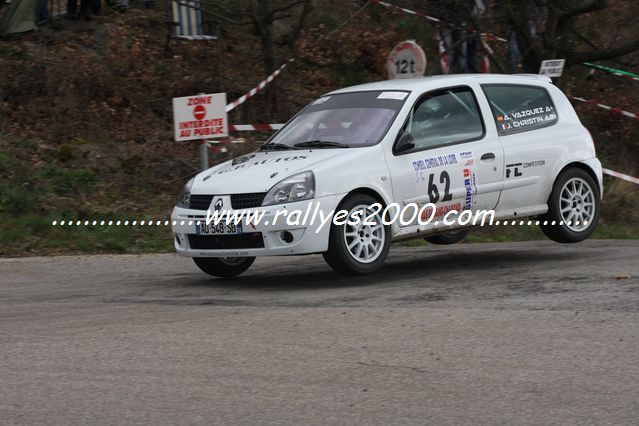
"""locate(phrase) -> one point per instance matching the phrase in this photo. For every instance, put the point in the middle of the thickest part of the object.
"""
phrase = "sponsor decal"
(536, 163)
(393, 95)
(248, 163)
(242, 159)
(440, 210)
(512, 170)
(223, 253)
(470, 185)
(468, 156)
(432, 163)
(321, 100)
(464, 155)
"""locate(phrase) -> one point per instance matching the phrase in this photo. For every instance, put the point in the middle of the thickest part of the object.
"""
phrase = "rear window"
(518, 108)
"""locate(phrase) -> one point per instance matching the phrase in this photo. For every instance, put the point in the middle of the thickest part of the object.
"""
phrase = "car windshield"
(344, 120)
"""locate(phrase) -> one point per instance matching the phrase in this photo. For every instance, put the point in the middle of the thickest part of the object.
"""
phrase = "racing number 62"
(433, 192)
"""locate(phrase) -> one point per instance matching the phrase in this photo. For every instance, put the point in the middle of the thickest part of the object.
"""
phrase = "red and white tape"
(432, 18)
(443, 55)
(412, 12)
(257, 88)
(606, 107)
(621, 176)
(254, 127)
(618, 74)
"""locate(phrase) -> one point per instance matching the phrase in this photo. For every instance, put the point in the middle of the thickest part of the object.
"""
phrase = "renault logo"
(218, 205)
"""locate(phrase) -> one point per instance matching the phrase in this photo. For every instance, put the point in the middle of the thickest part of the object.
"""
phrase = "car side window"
(445, 117)
(519, 108)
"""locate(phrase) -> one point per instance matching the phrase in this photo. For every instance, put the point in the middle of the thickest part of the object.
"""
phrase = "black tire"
(448, 238)
(339, 256)
(554, 224)
(225, 267)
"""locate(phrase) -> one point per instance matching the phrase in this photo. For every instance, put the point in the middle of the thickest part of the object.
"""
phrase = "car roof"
(434, 81)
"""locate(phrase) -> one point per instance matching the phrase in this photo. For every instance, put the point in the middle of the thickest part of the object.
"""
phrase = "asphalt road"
(519, 333)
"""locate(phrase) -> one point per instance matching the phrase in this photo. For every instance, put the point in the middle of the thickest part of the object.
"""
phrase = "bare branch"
(221, 16)
(287, 7)
(301, 22)
(598, 55)
(592, 6)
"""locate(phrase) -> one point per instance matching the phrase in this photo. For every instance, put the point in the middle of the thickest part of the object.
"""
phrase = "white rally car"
(508, 143)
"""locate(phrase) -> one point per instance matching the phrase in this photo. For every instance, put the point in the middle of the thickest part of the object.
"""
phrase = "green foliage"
(32, 196)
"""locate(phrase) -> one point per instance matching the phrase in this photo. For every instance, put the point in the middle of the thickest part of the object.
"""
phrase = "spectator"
(87, 9)
(42, 12)
(96, 7)
(459, 37)
(119, 5)
(74, 13)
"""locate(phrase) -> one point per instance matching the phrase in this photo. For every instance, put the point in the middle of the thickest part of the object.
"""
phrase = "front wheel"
(573, 207)
(225, 267)
(360, 244)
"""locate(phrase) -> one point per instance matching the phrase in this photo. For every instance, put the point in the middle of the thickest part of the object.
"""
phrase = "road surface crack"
(407, 367)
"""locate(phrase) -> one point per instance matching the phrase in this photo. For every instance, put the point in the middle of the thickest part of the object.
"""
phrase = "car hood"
(260, 170)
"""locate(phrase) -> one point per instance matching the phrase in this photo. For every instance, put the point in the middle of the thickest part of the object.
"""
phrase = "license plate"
(219, 229)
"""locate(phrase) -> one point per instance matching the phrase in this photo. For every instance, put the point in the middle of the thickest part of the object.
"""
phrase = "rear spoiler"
(537, 77)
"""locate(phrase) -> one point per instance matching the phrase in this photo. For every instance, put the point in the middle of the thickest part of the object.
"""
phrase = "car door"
(525, 116)
(456, 162)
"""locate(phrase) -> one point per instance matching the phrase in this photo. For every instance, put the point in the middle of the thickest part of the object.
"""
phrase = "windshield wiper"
(321, 144)
(276, 147)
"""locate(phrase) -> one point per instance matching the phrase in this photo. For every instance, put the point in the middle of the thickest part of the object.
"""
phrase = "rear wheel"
(448, 237)
(224, 266)
(358, 248)
(573, 207)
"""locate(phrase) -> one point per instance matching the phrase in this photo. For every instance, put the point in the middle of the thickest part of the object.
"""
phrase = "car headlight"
(300, 186)
(184, 197)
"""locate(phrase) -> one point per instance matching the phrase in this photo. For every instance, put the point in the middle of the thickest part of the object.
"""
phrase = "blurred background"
(86, 88)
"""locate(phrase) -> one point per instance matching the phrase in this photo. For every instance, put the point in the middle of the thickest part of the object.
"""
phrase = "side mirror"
(406, 142)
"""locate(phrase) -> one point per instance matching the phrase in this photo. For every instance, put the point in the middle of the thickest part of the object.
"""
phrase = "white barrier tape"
(257, 88)
(594, 68)
(606, 107)
(432, 18)
(254, 127)
(621, 176)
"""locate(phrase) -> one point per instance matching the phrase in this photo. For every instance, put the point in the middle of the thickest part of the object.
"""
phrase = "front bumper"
(309, 230)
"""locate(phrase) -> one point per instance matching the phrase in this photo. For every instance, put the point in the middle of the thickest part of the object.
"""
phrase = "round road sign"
(406, 60)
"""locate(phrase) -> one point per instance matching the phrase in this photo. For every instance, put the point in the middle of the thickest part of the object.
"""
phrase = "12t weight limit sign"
(406, 60)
